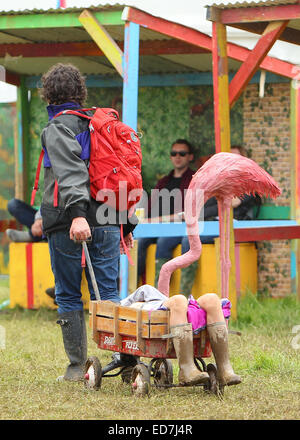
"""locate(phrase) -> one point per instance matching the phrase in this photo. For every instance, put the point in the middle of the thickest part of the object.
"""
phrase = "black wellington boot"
(75, 343)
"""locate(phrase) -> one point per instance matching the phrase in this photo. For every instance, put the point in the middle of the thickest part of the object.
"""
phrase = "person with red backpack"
(73, 210)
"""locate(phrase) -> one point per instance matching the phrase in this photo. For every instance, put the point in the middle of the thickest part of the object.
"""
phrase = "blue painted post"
(130, 109)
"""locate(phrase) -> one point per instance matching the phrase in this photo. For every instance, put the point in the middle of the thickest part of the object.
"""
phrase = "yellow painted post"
(132, 275)
(248, 268)
(218, 265)
(176, 275)
(206, 274)
(103, 40)
(150, 264)
(222, 127)
(232, 273)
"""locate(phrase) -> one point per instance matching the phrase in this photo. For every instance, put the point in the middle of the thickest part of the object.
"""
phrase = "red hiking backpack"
(115, 160)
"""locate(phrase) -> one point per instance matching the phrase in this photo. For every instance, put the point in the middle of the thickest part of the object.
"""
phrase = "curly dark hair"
(63, 83)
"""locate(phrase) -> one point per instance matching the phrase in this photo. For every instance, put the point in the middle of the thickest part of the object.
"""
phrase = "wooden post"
(295, 175)
(130, 107)
(176, 275)
(21, 144)
(222, 127)
(221, 88)
(132, 271)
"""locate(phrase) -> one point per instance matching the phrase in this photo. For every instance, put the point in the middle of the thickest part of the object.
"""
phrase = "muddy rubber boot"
(218, 337)
(75, 343)
(183, 344)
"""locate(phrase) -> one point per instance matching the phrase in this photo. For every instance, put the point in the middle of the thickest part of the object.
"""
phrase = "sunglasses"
(181, 153)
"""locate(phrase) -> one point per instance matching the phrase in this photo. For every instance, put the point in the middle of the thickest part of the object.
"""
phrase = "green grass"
(263, 355)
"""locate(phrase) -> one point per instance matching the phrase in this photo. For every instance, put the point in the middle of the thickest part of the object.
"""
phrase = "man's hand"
(128, 241)
(80, 229)
(37, 228)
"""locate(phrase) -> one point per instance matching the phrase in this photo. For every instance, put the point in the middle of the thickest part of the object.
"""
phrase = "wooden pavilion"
(119, 45)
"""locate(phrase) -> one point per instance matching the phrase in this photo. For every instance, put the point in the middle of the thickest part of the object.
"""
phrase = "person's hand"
(37, 228)
(128, 239)
(80, 229)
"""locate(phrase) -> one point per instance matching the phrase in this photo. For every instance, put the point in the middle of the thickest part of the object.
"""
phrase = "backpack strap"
(76, 113)
(37, 176)
(124, 245)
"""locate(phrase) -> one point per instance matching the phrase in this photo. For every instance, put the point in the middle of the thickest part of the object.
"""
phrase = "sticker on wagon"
(131, 345)
(109, 340)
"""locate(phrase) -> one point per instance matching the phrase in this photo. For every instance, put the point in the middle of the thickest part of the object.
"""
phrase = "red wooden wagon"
(145, 334)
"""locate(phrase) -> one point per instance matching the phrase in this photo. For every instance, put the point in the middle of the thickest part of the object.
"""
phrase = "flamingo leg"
(221, 208)
(225, 291)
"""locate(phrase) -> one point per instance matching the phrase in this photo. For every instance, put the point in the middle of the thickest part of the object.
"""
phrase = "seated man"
(188, 317)
(175, 183)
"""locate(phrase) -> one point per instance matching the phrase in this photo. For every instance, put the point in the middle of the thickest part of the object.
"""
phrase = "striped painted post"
(295, 180)
(222, 137)
(130, 109)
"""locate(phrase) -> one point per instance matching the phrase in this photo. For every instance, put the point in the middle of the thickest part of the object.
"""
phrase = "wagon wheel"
(93, 373)
(213, 386)
(140, 380)
(162, 372)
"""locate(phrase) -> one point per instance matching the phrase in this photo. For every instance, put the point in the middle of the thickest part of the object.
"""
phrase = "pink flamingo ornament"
(224, 176)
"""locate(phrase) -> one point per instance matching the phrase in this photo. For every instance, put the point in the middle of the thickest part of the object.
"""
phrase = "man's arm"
(72, 176)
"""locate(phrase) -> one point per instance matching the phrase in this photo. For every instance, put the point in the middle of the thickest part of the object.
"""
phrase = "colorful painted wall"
(7, 175)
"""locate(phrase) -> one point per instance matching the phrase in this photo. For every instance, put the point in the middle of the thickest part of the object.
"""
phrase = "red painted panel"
(262, 13)
(154, 348)
(268, 233)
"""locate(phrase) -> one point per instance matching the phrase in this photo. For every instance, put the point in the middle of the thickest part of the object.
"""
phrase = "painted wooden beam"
(167, 27)
(160, 80)
(256, 56)
(199, 39)
(82, 49)
(12, 78)
(264, 234)
(290, 35)
(103, 40)
(56, 20)
(254, 14)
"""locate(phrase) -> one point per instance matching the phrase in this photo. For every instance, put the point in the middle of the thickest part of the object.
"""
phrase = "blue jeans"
(24, 214)
(164, 249)
(65, 255)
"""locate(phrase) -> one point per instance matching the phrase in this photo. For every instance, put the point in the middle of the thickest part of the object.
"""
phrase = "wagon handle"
(91, 271)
